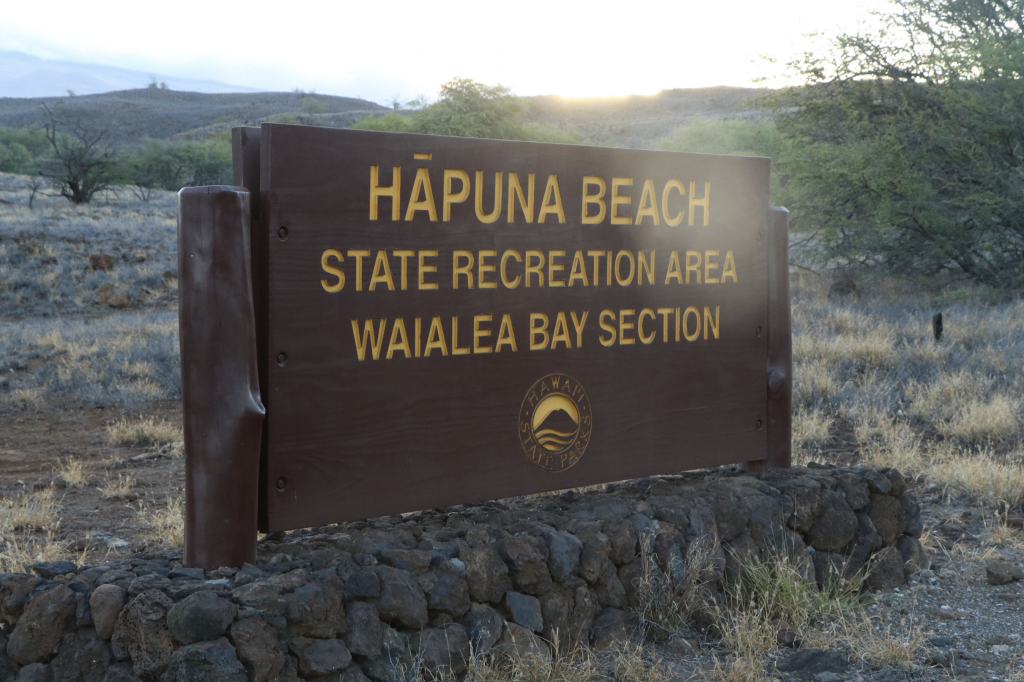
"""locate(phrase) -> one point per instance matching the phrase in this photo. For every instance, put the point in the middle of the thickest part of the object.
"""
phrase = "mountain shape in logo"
(555, 426)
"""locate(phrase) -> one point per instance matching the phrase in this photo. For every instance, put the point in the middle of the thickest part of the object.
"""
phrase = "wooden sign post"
(444, 320)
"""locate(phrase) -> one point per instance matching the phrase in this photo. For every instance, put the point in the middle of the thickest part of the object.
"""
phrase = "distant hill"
(639, 121)
(131, 115)
(23, 75)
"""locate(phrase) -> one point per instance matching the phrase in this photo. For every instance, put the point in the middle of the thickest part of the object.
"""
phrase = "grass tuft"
(165, 526)
(142, 432)
(119, 488)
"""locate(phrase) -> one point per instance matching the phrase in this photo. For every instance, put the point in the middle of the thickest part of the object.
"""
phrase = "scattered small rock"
(1003, 572)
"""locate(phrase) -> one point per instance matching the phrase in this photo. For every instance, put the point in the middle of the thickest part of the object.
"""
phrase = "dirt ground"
(34, 445)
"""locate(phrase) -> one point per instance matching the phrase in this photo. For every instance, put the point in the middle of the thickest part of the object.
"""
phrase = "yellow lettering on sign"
(678, 186)
(643, 266)
(483, 268)
(610, 328)
(553, 268)
(552, 201)
(709, 323)
(693, 264)
(686, 317)
(704, 202)
(579, 269)
(417, 333)
(673, 268)
(425, 269)
(536, 331)
(359, 255)
(331, 270)
(421, 187)
(645, 313)
(537, 269)
(619, 200)
(393, 192)
(561, 332)
(624, 281)
(488, 218)
(665, 312)
(479, 333)
(625, 326)
(525, 203)
(405, 255)
(466, 270)
(588, 198)
(456, 349)
(506, 336)
(398, 332)
(371, 337)
(435, 338)
(381, 272)
(729, 269)
(709, 267)
(510, 253)
(577, 324)
(648, 204)
(450, 197)
(597, 256)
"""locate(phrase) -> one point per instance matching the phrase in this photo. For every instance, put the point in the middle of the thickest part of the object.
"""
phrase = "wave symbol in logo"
(555, 422)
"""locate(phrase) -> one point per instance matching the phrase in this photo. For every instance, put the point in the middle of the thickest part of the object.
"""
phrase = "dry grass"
(666, 605)
(74, 472)
(739, 669)
(164, 526)
(143, 432)
(810, 433)
(980, 422)
(28, 527)
(29, 512)
(119, 488)
(879, 644)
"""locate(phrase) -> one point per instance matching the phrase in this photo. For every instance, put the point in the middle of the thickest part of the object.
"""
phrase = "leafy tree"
(465, 108)
(22, 150)
(173, 165)
(907, 143)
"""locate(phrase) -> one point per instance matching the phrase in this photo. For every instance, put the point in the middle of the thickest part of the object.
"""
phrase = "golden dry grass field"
(91, 460)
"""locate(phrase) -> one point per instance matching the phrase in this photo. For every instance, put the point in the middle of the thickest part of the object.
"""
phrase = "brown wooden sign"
(444, 320)
(452, 320)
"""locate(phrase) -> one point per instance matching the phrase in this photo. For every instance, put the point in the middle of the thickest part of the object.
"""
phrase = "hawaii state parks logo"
(555, 422)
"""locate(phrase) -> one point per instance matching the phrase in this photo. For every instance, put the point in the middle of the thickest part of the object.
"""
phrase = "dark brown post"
(223, 414)
(780, 347)
(780, 342)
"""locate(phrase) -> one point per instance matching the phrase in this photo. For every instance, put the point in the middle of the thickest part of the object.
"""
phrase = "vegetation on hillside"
(907, 144)
(465, 108)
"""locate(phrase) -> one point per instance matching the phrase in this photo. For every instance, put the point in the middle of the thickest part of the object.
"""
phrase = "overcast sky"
(380, 49)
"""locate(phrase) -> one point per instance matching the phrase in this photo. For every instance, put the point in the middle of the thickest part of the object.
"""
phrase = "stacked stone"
(371, 600)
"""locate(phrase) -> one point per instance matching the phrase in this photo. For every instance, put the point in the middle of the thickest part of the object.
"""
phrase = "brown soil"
(33, 445)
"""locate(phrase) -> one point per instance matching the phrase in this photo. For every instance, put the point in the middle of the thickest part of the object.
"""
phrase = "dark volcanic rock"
(888, 518)
(256, 646)
(320, 656)
(142, 632)
(835, 525)
(40, 629)
(205, 662)
(527, 559)
(316, 610)
(441, 649)
(401, 601)
(486, 573)
(810, 662)
(483, 627)
(886, 570)
(83, 657)
(365, 634)
(200, 617)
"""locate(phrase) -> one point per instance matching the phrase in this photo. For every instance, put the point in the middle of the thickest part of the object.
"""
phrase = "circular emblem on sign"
(555, 422)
